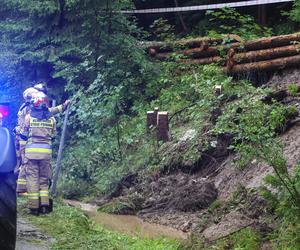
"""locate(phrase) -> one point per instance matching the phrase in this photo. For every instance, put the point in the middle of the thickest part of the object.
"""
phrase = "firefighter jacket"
(23, 111)
(39, 134)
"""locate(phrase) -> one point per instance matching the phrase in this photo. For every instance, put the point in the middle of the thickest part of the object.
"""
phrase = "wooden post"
(151, 120)
(218, 90)
(162, 126)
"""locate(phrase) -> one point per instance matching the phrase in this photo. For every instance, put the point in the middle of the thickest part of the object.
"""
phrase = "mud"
(177, 192)
(130, 225)
(282, 79)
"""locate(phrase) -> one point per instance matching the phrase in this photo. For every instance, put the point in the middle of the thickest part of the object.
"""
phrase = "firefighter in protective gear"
(20, 143)
(39, 128)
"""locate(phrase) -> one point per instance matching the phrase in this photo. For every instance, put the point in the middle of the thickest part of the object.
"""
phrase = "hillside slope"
(210, 196)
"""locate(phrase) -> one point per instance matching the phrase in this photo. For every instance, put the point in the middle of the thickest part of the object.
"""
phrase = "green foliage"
(287, 235)
(116, 144)
(293, 89)
(294, 14)
(163, 30)
(73, 230)
(230, 21)
(284, 27)
(253, 123)
(246, 239)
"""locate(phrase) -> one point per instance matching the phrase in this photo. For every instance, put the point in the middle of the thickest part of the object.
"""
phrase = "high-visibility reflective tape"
(21, 181)
(23, 142)
(33, 196)
(38, 150)
(44, 193)
(42, 148)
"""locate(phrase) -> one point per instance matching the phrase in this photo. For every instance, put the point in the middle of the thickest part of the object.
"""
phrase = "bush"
(230, 21)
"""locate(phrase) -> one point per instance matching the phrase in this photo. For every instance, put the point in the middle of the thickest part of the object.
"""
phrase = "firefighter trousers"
(38, 174)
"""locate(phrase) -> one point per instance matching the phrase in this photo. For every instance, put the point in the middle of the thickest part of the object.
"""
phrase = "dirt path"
(30, 238)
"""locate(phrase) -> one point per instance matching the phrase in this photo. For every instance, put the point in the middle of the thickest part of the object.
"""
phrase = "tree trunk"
(185, 28)
(279, 63)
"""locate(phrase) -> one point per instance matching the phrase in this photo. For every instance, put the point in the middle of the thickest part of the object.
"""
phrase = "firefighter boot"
(50, 205)
(34, 211)
(44, 210)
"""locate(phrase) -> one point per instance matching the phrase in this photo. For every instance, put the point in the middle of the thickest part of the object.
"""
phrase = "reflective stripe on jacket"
(40, 133)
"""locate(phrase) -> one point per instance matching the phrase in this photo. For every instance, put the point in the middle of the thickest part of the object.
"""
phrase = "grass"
(71, 229)
(246, 239)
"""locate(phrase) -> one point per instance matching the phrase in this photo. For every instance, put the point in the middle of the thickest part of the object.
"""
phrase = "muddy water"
(131, 225)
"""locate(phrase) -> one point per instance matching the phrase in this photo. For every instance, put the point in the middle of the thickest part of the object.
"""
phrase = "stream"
(128, 224)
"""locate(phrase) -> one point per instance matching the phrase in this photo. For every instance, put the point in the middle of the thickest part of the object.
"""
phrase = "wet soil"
(131, 225)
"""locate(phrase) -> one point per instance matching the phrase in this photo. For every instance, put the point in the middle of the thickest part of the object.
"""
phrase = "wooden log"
(279, 63)
(266, 54)
(270, 42)
(258, 44)
(189, 43)
(251, 56)
(203, 61)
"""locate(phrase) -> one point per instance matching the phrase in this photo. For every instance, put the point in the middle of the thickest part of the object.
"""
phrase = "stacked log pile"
(236, 56)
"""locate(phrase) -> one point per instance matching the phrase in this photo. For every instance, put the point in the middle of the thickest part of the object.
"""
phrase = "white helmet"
(29, 93)
(41, 87)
